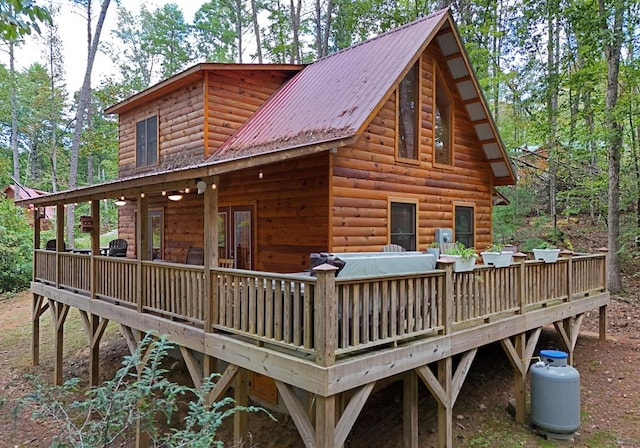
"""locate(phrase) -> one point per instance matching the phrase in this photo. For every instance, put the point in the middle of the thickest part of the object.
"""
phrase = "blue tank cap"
(554, 354)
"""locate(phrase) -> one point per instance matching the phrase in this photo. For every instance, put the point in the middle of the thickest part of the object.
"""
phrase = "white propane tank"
(555, 395)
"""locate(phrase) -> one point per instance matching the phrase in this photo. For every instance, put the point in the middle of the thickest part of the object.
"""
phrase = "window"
(408, 115)
(403, 224)
(147, 142)
(464, 225)
(442, 124)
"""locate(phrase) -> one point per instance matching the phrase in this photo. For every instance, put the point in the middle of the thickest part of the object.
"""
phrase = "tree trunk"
(614, 138)
(14, 113)
(83, 100)
(256, 30)
(295, 26)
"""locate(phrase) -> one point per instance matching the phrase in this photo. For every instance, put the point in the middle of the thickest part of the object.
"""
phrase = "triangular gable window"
(443, 123)
(407, 107)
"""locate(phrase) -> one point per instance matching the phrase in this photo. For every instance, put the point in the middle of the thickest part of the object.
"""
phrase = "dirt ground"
(610, 384)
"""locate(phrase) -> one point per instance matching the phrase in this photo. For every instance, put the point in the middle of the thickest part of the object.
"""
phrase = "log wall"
(366, 174)
(233, 96)
(291, 204)
(180, 130)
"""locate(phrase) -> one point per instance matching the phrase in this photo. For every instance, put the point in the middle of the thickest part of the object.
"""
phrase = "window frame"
(439, 83)
(145, 163)
(416, 68)
(471, 206)
(416, 226)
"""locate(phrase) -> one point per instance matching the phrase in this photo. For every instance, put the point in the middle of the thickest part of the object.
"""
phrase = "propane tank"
(555, 395)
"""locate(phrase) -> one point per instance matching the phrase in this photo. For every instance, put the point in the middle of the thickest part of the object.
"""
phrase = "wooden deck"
(328, 335)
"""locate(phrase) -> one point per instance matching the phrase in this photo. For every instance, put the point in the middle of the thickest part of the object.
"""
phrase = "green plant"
(15, 247)
(545, 245)
(140, 396)
(433, 245)
(495, 247)
(459, 249)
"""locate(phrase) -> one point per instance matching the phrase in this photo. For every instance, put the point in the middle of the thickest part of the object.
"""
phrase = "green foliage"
(139, 395)
(19, 17)
(15, 247)
(495, 247)
(462, 251)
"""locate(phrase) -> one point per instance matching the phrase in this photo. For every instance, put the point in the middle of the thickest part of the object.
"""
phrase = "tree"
(19, 17)
(15, 247)
(169, 38)
(83, 101)
(215, 32)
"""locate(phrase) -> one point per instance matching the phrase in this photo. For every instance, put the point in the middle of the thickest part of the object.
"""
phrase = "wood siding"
(233, 96)
(366, 174)
(180, 130)
(291, 214)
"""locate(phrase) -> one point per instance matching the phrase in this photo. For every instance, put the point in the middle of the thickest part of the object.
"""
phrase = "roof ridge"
(386, 33)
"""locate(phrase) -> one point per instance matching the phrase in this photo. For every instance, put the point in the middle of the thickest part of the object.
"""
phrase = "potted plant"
(434, 249)
(464, 257)
(496, 255)
(547, 252)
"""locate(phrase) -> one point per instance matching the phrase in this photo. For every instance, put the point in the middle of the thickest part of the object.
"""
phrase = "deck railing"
(291, 310)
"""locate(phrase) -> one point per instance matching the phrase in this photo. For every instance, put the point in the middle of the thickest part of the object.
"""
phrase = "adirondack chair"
(393, 248)
(117, 248)
(195, 255)
(51, 245)
(225, 263)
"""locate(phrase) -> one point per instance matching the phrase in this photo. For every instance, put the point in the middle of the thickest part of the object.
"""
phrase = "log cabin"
(385, 142)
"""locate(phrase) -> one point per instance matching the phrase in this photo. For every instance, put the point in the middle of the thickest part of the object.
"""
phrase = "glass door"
(235, 235)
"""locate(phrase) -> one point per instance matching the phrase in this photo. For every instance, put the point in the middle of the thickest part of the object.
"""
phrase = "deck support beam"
(603, 322)
(94, 327)
(568, 332)
(410, 410)
(195, 371)
(520, 356)
(38, 309)
(59, 312)
(445, 388)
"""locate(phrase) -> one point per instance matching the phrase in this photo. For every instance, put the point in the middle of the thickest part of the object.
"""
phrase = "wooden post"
(59, 241)
(448, 295)
(569, 256)
(445, 410)
(142, 248)
(241, 397)
(410, 412)
(37, 300)
(520, 258)
(95, 246)
(326, 315)
(520, 383)
(603, 320)
(325, 421)
(210, 260)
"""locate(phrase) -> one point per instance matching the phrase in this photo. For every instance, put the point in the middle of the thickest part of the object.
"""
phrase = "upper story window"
(403, 226)
(443, 124)
(464, 225)
(147, 141)
(408, 103)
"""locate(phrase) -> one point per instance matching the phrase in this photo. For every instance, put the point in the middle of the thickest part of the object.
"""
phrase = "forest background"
(561, 77)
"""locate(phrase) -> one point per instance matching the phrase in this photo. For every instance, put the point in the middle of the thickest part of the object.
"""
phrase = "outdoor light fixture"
(214, 186)
(260, 175)
(187, 190)
(175, 196)
(142, 194)
(164, 193)
(120, 201)
(201, 186)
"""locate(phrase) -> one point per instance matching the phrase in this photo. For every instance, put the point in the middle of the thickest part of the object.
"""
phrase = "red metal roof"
(333, 98)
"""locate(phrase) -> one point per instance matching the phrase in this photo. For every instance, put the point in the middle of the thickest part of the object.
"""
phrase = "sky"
(72, 29)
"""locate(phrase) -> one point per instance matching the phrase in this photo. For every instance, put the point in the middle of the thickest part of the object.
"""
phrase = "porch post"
(59, 241)
(95, 246)
(94, 333)
(603, 320)
(326, 315)
(210, 260)
(142, 248)
(37, 300)
(447, 296)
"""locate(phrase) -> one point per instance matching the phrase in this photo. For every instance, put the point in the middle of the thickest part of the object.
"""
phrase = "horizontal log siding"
(366, 173)
(180, 128)
(291, 214)
(292, 203)
(233, 96)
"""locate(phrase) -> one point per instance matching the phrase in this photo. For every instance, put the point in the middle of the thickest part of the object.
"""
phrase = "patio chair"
(393, 248)
(117, 248)
(225, 263)
(51, 245)
(195, 255)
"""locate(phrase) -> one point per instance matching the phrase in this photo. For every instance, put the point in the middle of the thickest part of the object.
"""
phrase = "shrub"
(110, 413)
(15, 247)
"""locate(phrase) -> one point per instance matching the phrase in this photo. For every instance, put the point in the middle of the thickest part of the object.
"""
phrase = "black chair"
(51, 245)
(195, 255)
(117, 248)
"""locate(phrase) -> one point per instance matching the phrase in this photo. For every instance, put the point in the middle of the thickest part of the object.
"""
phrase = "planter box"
(462, 265)
(497, 259)
(548, 255)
